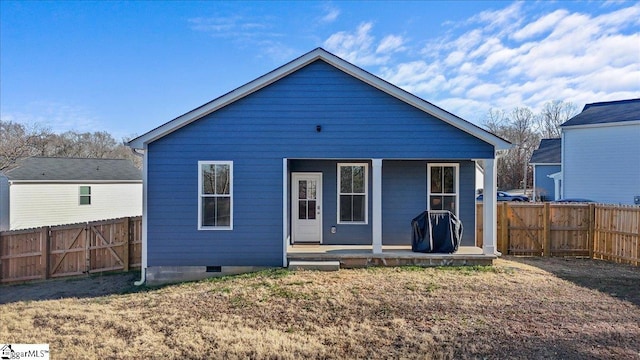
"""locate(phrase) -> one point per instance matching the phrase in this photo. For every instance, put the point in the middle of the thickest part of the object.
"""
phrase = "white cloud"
(515, 57)
(360, 48)
(484, 91)
(231, 27)
(540, 26)
(390, 43)
(331, 13)
(55, 116)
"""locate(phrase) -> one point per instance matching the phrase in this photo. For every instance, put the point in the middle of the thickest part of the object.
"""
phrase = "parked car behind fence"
(504, 196)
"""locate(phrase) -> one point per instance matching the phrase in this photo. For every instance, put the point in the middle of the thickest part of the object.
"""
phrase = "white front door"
(306, 207)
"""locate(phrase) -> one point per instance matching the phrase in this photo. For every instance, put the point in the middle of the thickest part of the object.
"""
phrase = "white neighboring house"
(601, 153)
(44, 191)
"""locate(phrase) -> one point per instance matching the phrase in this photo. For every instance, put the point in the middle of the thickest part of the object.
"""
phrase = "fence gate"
(108, 246)
(67, 249)
(525, 229)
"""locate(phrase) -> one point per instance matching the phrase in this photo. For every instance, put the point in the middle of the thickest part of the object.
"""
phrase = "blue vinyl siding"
(256, 133)
(545, 185)
(404, 196)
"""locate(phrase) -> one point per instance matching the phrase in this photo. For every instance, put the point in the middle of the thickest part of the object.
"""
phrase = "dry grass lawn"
(520, 308)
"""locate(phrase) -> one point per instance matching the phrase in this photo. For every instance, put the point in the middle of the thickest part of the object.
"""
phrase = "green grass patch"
(470, 270)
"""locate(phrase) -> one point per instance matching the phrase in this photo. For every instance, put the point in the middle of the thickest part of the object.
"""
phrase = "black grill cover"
(436, 231)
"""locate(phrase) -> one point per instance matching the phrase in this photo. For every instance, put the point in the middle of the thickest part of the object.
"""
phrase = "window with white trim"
(352, 193)
(215, 195)
(443, 187)
(85, 195)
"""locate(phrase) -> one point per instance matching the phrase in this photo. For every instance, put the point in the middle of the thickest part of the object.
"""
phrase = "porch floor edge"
(354, 256)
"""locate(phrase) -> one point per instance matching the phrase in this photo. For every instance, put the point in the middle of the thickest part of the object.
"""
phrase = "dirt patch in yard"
(522, 308)
(617, 280)
(76, 287)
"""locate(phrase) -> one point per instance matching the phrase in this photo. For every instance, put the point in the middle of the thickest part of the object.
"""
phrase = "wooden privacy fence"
(57, 251)
(606, 232)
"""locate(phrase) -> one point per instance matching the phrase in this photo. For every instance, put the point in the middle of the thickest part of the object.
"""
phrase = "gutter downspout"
(143, 265)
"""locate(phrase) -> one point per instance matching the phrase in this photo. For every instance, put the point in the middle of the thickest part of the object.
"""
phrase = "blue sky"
(127, 67)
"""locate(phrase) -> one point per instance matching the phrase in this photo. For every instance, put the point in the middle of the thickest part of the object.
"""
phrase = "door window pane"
(302, 209)
(311, 210)
(312, 190)
(302, 189)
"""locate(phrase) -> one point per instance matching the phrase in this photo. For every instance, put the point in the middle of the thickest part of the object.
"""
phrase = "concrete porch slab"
(355, 256)
(314, 265)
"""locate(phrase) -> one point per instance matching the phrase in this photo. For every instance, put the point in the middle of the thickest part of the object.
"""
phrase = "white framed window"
(443, 187)
(215, 195)
(353, 192)
(85, 195)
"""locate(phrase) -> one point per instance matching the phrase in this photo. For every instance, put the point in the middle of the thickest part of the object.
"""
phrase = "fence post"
(87, 247)
(45, 247)
(591, 235)
(546, 214)
(125, 253)
(504, 227)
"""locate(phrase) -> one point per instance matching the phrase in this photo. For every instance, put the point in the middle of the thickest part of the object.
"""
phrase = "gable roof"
(302, 61)
(45, 169)
(607, 112)
(548, 152)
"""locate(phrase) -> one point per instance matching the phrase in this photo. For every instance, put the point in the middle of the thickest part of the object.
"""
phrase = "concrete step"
(314, 265)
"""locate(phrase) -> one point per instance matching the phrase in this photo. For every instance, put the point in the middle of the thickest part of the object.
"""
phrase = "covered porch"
(377, 246)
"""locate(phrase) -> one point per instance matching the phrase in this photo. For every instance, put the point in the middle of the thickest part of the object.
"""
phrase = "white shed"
(44, 191)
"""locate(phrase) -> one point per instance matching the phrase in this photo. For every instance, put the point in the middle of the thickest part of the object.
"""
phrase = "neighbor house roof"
(302, 61)
(74, 169)
(607, 112)
(548, 152)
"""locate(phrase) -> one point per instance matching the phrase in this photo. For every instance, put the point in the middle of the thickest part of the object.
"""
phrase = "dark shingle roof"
(69, 169)
(548, 152)
(607, 112)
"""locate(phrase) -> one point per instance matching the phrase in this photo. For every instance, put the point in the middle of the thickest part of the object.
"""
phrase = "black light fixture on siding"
(318, 128)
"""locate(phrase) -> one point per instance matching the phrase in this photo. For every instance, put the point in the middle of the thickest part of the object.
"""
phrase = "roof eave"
(602, 124)
(28, 181)
(319, 53)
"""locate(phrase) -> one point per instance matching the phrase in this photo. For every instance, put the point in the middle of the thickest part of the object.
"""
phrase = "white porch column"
(285, 213)
(376, 196)
(489, 210)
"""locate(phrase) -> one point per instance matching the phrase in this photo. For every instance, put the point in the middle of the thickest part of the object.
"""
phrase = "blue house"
(546, 161)
(317, 151)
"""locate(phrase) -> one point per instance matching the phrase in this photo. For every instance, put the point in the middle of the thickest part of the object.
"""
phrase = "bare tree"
(520, 128)
(553, 114)
(18, 141)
